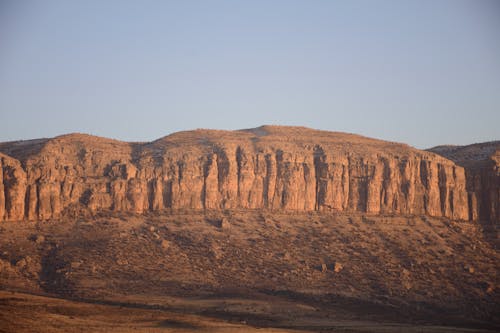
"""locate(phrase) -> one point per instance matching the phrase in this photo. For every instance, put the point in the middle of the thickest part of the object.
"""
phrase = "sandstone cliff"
(482, 168)
(270, 167)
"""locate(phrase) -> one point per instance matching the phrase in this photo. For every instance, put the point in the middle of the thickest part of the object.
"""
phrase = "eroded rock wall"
(483, 185)
(70, 174)
(482, 169)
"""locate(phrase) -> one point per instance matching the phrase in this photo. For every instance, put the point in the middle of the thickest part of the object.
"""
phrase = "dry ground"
(28, 313)
(187, 271)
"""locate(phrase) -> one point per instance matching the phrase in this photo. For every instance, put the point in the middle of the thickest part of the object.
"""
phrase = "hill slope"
(302, 270)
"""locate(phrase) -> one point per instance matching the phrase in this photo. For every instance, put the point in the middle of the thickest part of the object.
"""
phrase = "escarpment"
(270, 167)
(482, 168)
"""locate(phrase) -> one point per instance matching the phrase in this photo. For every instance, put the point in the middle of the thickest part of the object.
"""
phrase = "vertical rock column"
(14, 189)
(2, 193)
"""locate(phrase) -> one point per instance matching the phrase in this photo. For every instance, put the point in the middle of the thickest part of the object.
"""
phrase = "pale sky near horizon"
(420, 72)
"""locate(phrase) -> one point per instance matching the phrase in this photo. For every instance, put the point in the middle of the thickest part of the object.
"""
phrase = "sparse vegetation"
(287, 272)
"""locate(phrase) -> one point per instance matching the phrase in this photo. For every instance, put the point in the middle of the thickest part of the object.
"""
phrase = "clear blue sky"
(423, 72)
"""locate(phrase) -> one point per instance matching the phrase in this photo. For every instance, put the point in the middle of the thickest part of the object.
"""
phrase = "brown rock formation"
(270, 167)
(12, 189)
(482, 168)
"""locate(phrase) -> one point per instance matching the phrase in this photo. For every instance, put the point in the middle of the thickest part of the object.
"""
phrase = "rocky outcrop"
(482, 168)
(270, 167)
(13, 186)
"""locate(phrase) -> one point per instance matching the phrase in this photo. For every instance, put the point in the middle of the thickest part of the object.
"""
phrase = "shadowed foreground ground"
(28, 313)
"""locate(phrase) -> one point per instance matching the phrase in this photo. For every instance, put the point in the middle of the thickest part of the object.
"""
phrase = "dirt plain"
(246, 271)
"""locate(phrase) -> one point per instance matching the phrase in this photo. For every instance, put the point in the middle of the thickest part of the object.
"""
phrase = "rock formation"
(270, 167)
(482, 168)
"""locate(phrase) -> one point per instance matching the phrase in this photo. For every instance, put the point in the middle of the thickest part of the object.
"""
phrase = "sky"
(423, 72)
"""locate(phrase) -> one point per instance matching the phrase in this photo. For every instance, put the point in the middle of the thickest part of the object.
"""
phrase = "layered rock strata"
(270, 167)
(482, 168)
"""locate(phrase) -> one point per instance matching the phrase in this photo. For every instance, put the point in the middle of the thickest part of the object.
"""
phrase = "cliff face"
(12, 189)
(482, 168)
(276, 168)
